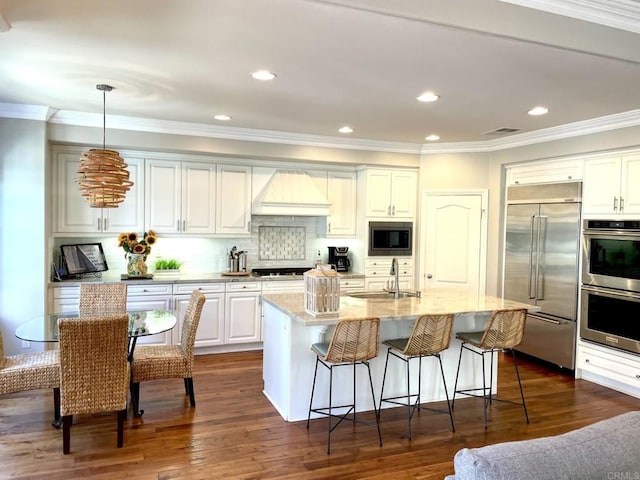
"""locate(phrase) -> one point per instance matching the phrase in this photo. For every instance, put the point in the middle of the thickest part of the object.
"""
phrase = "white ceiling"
(346, 62)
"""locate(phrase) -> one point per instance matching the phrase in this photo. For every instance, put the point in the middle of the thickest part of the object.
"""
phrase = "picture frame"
(84, 258)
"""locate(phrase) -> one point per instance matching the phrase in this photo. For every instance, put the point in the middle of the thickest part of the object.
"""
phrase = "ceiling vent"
(502, 131)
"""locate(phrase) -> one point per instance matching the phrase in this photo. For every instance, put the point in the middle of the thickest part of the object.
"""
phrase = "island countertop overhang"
(431, 301)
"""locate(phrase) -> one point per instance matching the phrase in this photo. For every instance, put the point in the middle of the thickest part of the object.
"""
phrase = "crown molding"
(67, 117)
(620, 14)
(576, 129)
(26, 112)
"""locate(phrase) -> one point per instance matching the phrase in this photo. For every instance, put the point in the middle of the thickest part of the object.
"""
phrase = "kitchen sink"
(383, 294)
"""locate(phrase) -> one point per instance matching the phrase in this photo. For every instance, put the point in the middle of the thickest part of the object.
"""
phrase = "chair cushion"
(162, 361)
(320, 349)
(30, 371)
(473, 338)
(398, 344)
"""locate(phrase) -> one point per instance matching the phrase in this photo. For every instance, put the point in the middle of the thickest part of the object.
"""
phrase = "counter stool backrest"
(504, 329)
(431, 334)
(354, 341)
(103, 299)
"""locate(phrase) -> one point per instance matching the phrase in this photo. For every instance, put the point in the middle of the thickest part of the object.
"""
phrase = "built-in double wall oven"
(610, 297)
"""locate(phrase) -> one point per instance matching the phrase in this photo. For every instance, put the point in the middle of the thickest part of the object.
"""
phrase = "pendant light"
(103, 175)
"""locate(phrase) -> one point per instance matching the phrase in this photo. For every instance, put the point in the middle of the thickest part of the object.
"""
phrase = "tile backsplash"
(281, 243)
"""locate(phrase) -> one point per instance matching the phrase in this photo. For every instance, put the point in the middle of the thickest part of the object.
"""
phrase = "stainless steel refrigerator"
(541, 266)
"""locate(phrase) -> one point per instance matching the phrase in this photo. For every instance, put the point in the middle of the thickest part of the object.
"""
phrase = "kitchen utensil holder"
(321, 291)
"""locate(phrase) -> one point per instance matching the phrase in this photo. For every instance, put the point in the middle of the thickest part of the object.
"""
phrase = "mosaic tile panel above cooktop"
(281, 243)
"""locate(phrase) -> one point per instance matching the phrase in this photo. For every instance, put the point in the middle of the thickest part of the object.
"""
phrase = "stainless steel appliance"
(541, 265)
(338, 257)
(610, 300)
(390, 239)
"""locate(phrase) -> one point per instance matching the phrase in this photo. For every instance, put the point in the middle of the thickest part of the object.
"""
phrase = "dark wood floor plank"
(234, 432)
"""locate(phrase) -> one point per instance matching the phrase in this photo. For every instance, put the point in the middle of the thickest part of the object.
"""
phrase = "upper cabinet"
(610, 185)
(72, 214)
(390, 193)
(544, 172)
(342, 194)
(233, 200)
(180, 197)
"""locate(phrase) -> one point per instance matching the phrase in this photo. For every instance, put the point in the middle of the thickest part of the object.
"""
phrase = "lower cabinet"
(242, 319)
(609, 367)
(378, 273)
(210, 330)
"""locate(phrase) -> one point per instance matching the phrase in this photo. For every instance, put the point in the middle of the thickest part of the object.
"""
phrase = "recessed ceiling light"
(263, 75)
(538, 111)
(345, 129)
(222, 118)
(428, 97)
(432, 138)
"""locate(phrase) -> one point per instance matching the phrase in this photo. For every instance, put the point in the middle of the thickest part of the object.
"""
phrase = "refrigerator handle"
(540, 249)
(531, 256)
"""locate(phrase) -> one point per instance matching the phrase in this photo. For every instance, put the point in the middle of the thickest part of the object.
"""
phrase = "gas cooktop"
(278, 271)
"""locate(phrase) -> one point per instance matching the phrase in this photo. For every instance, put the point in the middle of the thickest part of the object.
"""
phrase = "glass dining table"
(141, 324)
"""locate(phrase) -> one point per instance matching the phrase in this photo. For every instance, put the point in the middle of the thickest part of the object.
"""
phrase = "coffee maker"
(338, 257)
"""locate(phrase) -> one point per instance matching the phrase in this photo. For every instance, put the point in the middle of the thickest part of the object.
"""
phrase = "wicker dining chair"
(94, 370)
(353, 342)
(103, 299)
(31, 371)
(152, 362)
(430, 336)
(504, 331)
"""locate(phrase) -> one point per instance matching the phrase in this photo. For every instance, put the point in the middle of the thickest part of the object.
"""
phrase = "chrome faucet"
(395, 271)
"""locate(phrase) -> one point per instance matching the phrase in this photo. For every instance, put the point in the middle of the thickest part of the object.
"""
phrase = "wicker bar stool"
(94, 370)
(31, 371)
(103, 299)
(504, 331)
(353, 342)
(431, 335)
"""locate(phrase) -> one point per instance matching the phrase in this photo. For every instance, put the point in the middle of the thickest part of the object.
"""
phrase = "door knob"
(429, 275)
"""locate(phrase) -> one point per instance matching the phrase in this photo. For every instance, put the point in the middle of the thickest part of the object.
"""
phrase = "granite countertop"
(109, 277)
(432, 301)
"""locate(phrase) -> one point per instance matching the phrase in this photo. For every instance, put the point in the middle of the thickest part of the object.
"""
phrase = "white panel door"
(129, 216)
(73, 212)
(163, 196)
(601, 187)
(211, 326)
(341, 193)
(453, 253)
(233, 200)
(403, 194)
(630, 181)
(198, 198)
(242, 317)
(378, 193)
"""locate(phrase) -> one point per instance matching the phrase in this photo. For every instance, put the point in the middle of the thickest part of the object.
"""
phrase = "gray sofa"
(607, 450)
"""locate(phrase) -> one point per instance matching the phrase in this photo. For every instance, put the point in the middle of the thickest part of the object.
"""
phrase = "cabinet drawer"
(385, 272)
(385, 262)
(616, 366)
(149, 289)
(351, 284)
(242, 286)
(65, 292)
(187, 288)
(288, 286)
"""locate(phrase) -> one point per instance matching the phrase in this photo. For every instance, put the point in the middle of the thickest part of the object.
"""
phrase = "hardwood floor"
(234, 432)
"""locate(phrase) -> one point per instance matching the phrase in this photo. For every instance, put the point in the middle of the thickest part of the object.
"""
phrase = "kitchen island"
(288, 332)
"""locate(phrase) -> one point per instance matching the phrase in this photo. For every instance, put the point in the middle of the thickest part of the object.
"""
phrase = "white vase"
(136, 266)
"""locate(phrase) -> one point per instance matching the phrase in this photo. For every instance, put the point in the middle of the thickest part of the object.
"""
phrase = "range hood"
(291, 193)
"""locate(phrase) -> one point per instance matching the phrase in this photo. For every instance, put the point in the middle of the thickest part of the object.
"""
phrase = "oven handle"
(608, 292)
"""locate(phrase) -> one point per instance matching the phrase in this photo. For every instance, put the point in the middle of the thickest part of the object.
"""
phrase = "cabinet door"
(163, 195)
(211, 327)
(630, 181)
(242, 317)
(601, 189)
(198, 198)
(151, 303)
(233, 200)
(129, 216)
(403, 194)
(378, 193)
(341, 193)
(74, 215)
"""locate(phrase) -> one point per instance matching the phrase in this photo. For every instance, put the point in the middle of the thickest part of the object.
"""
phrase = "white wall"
(22, 227)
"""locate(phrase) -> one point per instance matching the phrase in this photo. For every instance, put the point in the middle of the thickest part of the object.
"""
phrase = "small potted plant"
(167, 268)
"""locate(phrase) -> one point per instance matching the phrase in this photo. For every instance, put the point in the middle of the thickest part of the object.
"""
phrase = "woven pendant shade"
(103, 175)
(104, 178)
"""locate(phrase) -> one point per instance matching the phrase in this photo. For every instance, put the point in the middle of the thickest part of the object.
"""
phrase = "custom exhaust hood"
(291, 193)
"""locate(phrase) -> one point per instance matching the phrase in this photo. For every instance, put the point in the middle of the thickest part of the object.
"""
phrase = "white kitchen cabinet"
(610, 185)
(545, 172)
(180, 197)
(151, 297)
(377, 271)
(342, 195)
(348, 285)
(391, 193)
(72, 214)
(242, 313)
(609, 367)
(210, 330)
(233, 200)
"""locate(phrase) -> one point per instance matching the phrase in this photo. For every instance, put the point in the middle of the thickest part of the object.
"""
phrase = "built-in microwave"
(390, 238)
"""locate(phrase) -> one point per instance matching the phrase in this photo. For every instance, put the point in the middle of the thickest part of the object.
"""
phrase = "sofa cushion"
(605, 450)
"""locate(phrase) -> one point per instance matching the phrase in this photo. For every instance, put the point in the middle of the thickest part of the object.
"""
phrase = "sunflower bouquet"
(132, 243)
